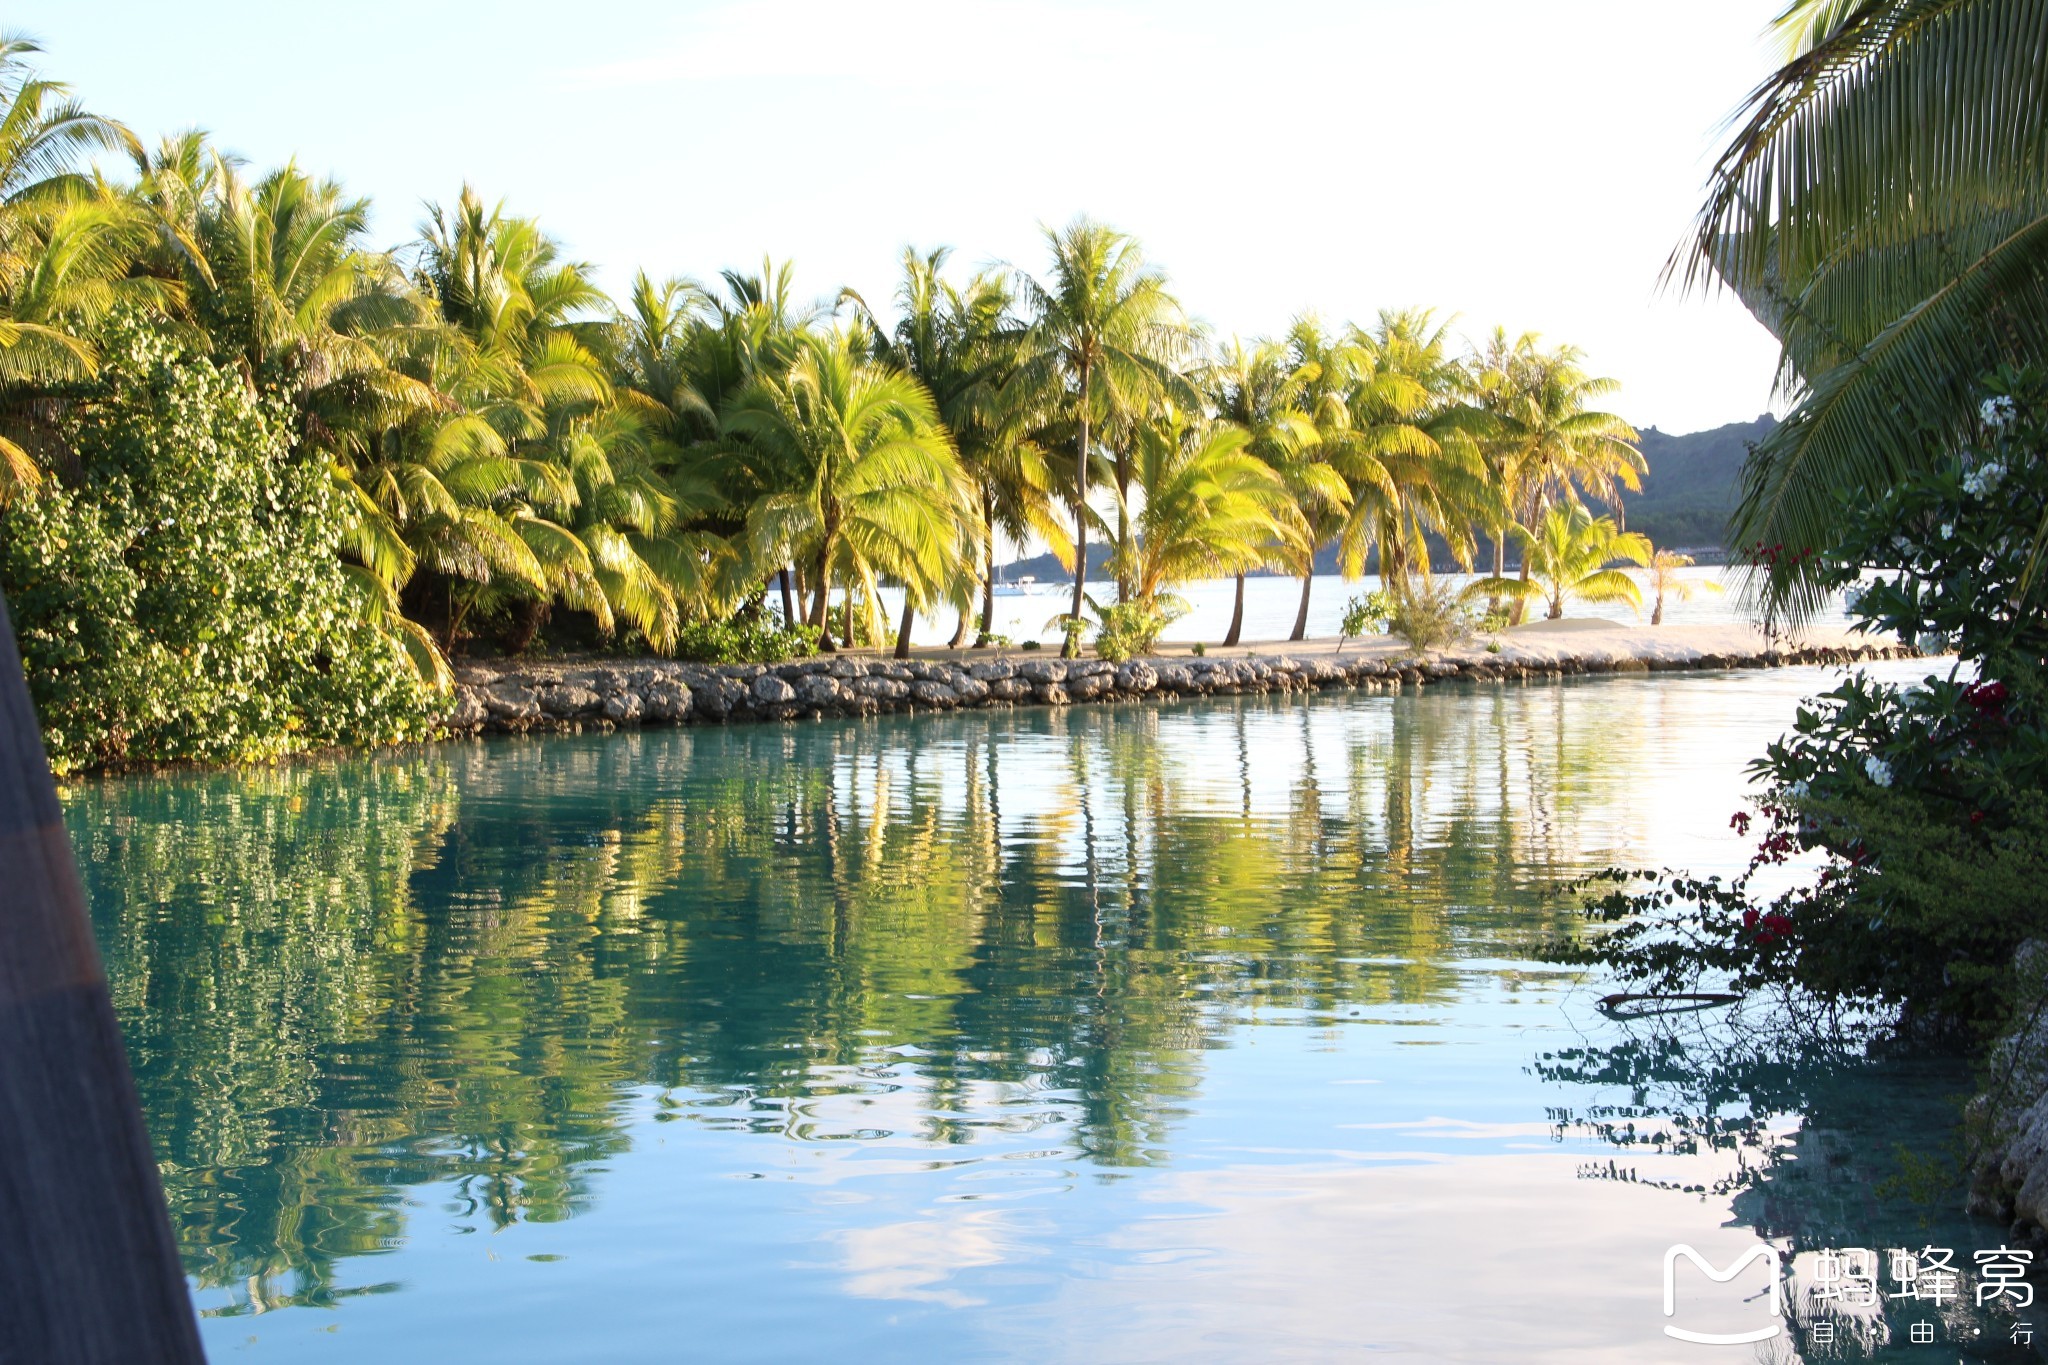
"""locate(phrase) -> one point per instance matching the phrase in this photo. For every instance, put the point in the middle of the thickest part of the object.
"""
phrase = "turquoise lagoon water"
(1210, 1031)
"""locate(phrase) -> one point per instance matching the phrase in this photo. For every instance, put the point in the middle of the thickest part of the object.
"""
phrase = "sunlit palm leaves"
(867, 482)
(1883, 209)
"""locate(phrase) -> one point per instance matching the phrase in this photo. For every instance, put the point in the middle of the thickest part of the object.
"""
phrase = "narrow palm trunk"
(788, 603)
(988, 578)
(1236, 616)
(1301, 617)
(1521, 603)
(960, 631)
(903, 631)
(1123, 528)
(1072, 648)
(821, 607)
(1657, 614)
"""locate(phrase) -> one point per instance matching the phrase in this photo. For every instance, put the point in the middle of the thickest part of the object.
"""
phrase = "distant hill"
(1693, 484)
(1691, 488)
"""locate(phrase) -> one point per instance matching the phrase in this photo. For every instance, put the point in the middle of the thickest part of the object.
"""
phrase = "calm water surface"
(1204, 1032)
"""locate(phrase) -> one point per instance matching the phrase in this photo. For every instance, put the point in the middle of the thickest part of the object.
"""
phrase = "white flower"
(1931, 642)
(1852, 597)
(1996, 412)
(1948, 530)
(1983, 481)
(1880, 771)
(1797, 791)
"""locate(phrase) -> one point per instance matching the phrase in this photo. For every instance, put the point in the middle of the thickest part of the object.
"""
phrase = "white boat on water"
(1022, 587)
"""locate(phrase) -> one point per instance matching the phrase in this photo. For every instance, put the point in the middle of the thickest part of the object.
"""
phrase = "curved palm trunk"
(821, 613)
(788, 603)
(1236, 616)
(903, 631)
(1301, 616)
(1072, 648)
(1657, 614)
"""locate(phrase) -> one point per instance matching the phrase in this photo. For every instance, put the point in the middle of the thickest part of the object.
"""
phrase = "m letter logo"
(1767, 1255)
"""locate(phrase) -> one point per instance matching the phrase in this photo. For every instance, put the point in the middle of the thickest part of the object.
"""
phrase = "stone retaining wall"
(515, 697)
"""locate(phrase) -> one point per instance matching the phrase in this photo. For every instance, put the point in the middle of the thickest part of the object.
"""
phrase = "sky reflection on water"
(1209, 1031)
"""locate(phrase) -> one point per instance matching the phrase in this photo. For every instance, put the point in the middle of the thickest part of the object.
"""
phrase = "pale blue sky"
(1530, 164)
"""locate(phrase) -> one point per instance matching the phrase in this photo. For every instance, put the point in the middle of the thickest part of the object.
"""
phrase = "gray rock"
(818, 690)
(469, 712)
(1051, 693)
(847, 669)
(1089, 686)
(971, 690)
(569, 700)
(881, 689)
(1176, 678)
(718, 697)
(667, 699)
(1089, 668)
(509, 701)
(1137, 676)
(1009, 689)
(1042, 671)
(934, 693)
(623, 708)
(770, 690)
(991, 672)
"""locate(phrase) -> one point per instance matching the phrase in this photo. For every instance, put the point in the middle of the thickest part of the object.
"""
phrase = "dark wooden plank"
(89, 1269)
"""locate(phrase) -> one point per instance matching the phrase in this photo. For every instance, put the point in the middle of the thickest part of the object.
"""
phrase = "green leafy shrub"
(1130, 629)
(1924, 804)
(1428, 616)
(1198, 649)
(178, 595)
(762, 641)
(1030, 644)
(1367, 615)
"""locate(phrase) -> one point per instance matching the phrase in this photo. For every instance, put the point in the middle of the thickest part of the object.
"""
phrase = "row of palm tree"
(514, 445)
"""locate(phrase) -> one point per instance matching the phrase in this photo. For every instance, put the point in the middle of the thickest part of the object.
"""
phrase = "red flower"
(1988, 698)
(1739, 822)
(1749, 918)
(1976, 817)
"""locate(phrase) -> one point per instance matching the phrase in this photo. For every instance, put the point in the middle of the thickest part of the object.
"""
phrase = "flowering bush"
(177, 592)
(1925, 806)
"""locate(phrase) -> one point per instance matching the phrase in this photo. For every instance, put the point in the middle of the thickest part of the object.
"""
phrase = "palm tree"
(961, 342)
(1568, 554)
(1881, 210)
(1208, 505)
(1409, 453)
(44, 132)
(1665, 580)
(870, 485)
(1102, 333)
(1327, 368)
(1544, 443)
(66, 245)
(1259, 389)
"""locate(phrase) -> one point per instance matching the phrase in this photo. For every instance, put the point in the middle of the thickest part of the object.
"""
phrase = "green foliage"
(762, 641)
(1030, 644)
(180, 598)
(1198, 649)
(1428, 616)
(1881, 208)
(1366, 615)
(1130, 629)
(1925, 805)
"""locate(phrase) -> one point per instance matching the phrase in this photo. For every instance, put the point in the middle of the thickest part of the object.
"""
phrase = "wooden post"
(89, 1269)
